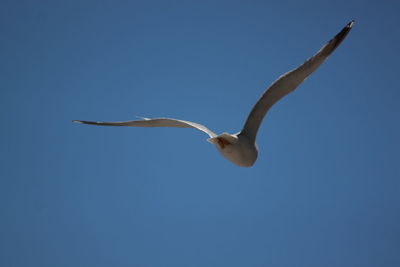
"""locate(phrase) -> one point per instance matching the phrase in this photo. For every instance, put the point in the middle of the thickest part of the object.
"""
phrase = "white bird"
(241, 148)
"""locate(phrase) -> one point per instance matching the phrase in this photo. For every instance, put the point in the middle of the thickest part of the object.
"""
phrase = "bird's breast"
(243, 155)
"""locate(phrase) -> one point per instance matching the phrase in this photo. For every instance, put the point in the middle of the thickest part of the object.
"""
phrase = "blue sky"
(325, 190)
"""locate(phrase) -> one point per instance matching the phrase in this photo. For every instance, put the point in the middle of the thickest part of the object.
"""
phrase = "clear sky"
(325, 190)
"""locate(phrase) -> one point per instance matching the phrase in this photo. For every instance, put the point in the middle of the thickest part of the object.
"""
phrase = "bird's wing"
(288, 82)
(156, 122)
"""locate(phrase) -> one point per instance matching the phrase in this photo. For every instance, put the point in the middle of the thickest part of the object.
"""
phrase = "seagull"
(241, 148)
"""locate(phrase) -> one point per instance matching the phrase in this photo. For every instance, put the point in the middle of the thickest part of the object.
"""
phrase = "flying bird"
(241, 148)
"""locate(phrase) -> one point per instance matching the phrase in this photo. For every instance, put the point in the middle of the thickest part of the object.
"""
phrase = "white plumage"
(241, 148)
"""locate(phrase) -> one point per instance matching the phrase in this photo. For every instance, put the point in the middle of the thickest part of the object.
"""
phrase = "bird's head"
(224, 140)
(236, 149)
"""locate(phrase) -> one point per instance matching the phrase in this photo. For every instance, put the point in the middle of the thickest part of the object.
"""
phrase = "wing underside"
(288, 82)
(155, 122)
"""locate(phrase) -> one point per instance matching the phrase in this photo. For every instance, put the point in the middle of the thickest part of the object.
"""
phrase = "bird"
(241, 148)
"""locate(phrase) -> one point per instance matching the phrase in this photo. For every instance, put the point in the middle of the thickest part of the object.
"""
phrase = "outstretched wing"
(156, 122)
(288, 82)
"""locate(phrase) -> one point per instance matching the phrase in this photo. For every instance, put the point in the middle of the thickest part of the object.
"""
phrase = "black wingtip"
(350, 24)
(340, 36)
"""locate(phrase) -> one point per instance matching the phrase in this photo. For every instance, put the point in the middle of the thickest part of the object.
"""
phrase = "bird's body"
(241, 148)
(237, 148)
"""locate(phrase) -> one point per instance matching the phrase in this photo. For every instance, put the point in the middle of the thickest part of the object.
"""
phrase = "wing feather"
(155, 122)
(288, 82)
